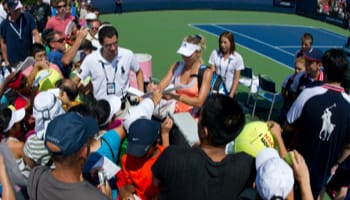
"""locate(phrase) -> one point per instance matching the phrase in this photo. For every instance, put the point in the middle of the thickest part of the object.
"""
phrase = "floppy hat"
(16, 116)
(187, 49)
(274, 176)
(142, 134)
(45, 108)
(144, 110)
(67, 133)
(314, 54)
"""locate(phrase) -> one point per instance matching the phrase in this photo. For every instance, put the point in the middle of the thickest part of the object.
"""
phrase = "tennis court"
(276, 42)
(266, 40)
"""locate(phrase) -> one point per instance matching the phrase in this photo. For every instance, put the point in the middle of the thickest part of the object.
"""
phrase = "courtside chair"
(246, 79)
(267, 91)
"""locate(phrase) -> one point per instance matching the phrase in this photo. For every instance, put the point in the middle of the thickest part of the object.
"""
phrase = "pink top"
(190, 90)
(58, 24)
(29, 69)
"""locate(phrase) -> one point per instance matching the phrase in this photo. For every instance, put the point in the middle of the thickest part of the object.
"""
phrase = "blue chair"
(266, 91)
(246, 79)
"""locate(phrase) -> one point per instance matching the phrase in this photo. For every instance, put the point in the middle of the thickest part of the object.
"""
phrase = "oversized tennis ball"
(254, 137)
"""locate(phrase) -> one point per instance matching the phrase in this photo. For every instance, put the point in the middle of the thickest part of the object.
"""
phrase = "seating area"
(260, 88)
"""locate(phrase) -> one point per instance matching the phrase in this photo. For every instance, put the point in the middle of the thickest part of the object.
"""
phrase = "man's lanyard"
(104, 71)
(19, 33)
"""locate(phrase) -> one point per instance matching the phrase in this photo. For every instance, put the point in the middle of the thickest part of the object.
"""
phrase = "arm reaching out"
(301, 174)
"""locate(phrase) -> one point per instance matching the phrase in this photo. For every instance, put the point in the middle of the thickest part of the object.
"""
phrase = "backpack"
(217, 85)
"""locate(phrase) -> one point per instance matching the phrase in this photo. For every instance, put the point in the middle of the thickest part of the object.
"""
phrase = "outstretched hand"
(105, 189)
(275, 129)
(299, 167)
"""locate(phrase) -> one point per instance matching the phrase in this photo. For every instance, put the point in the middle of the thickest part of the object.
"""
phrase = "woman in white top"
(227, 62)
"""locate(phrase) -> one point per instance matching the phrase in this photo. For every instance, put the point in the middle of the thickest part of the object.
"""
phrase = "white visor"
(187, 49)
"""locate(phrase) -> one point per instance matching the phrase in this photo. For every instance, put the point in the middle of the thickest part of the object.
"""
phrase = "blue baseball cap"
(14, 4)
(314, 54)
(68, 132)
(142, 135)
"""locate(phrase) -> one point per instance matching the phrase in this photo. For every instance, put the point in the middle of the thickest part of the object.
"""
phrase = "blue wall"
(107, 6)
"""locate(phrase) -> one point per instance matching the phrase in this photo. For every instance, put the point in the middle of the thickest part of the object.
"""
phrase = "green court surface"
(160, 33)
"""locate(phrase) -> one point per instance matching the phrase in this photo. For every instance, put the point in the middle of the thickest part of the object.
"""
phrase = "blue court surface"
(277, 42)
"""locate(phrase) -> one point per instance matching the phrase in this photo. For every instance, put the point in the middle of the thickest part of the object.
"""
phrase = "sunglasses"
(61, 40)
(94, 28)
(61, 6)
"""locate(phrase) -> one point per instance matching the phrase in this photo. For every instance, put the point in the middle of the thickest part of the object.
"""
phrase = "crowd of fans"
(67, 109)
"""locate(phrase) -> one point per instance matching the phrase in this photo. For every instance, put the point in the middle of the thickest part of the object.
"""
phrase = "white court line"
(255, 40)
(253, 24)
(332, 34)
(262, 55)
(314, 46)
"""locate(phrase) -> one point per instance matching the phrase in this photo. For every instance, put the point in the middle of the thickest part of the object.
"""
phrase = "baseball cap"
(14, 4)
(115, 104)
(314, 54)
(274, 176)
(142, 134)
(16, 116)
(187, 49)
(45, 108)
(69, 132)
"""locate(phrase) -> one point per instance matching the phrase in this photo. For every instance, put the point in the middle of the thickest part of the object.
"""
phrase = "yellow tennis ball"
(254, 137)
(288, 157)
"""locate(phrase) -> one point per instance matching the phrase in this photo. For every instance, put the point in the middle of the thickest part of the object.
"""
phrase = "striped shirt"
(34, 148)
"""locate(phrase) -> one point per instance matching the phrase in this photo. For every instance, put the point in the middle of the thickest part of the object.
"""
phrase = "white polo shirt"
(226, 68)
(101, 71)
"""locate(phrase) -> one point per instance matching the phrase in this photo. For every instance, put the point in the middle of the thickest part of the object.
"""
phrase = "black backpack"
(217, 84)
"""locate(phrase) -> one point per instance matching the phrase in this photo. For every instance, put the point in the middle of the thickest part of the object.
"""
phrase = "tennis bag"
(217, 84)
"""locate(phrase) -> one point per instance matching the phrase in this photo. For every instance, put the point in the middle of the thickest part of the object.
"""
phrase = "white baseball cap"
(274, 176)
(91, 16)
(16, 116)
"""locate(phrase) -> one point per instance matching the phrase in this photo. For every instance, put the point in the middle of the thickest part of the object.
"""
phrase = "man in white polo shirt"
(109, 67)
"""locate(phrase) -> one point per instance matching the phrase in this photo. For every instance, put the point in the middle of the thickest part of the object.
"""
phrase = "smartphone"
(101, 177)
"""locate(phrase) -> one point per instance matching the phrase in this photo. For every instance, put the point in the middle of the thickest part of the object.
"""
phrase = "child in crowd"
(288, 98)
(142, 151)
(306, 44)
